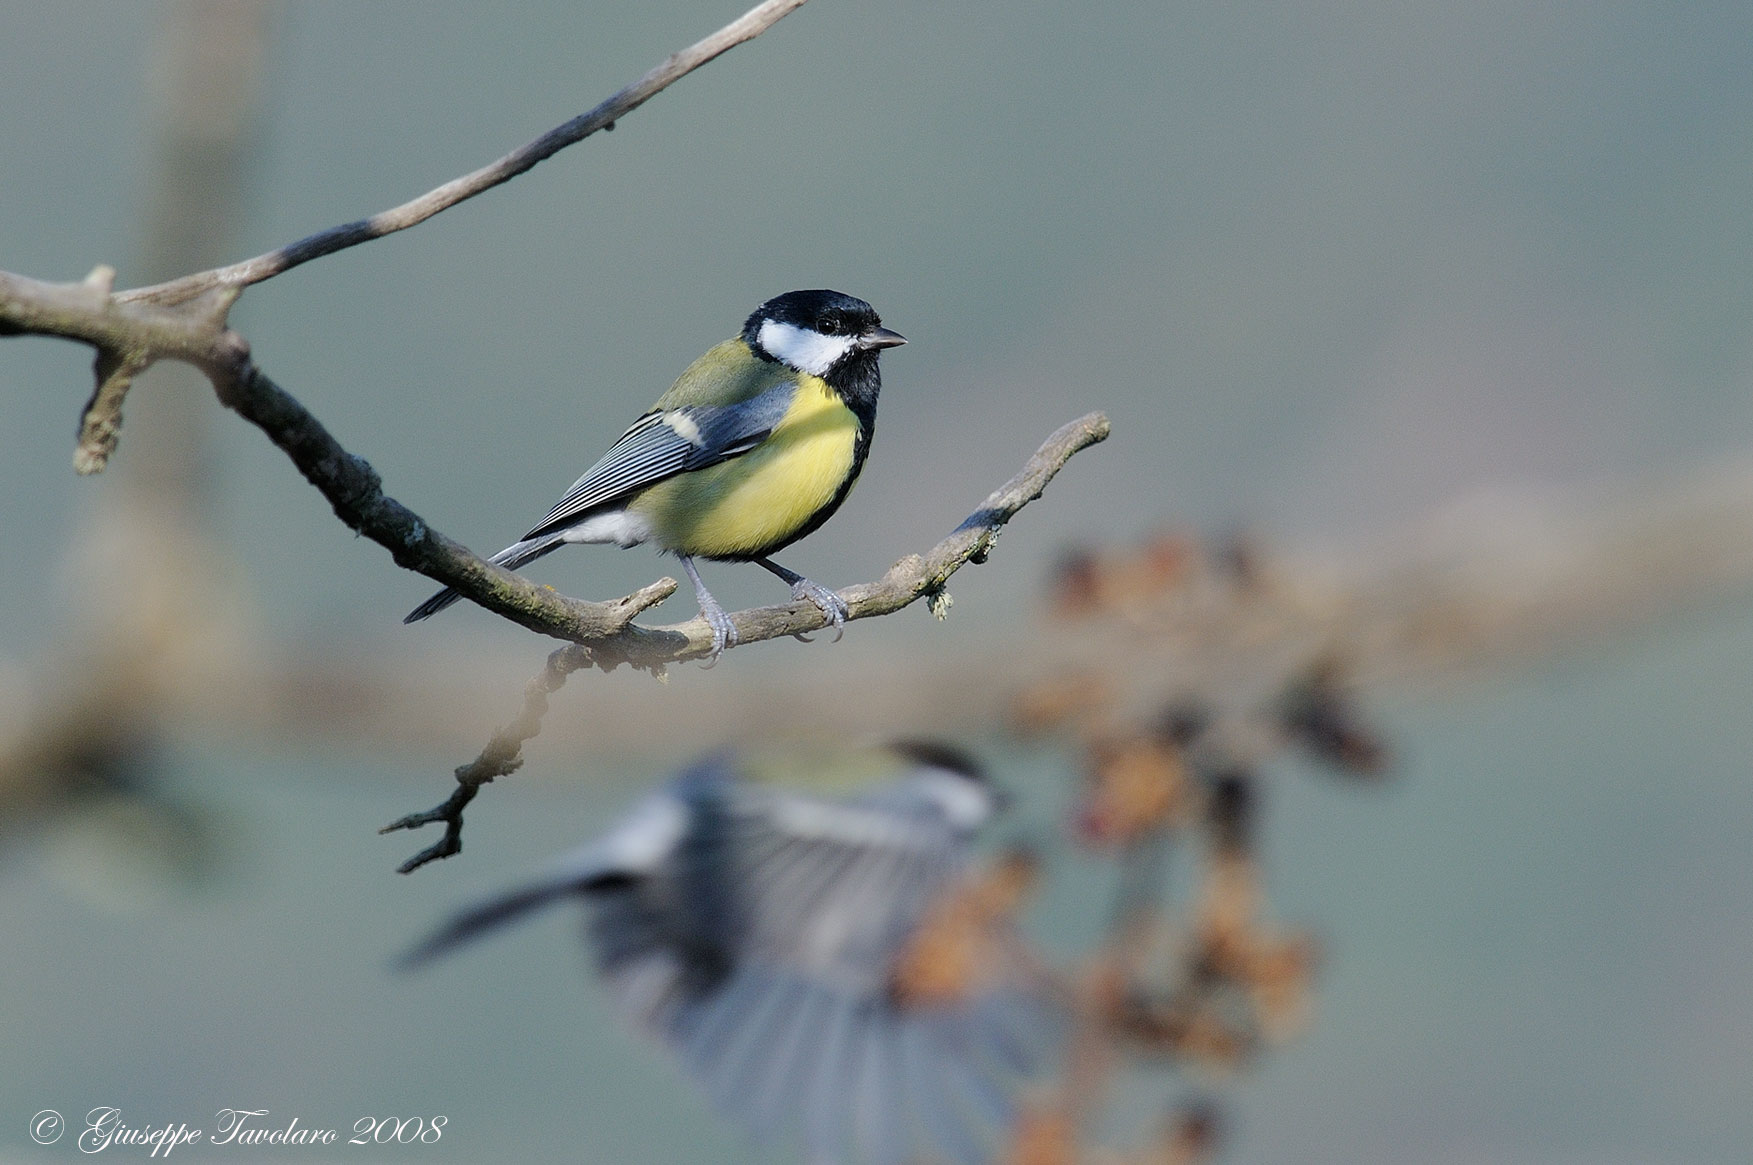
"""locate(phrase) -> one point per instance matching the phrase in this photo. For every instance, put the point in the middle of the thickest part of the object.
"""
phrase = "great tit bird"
(823, 961)
(752, 448)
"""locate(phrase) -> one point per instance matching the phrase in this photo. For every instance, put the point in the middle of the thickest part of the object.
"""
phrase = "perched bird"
(752, 448)
(827, 961)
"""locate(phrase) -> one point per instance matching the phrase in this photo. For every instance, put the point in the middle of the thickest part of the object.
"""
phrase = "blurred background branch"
(163, 622)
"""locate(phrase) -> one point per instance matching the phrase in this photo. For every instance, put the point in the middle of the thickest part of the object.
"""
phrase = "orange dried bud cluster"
(1272, 972)
(1044, 1135)
(1133, 787)
(1234, 949)
(1280, 974)
(1086, 582)
(1235, 983)
(1077, 583)
(1229, 905)
(1244, 984)
(1050, 704)
(1189, 1028)
(1214, 636)
(962, 945)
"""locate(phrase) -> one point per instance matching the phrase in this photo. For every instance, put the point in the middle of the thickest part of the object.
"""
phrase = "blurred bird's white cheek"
(965, 805)
(620, 526)
(648, 834)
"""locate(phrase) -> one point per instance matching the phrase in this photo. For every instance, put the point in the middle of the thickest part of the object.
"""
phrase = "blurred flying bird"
(808, 934)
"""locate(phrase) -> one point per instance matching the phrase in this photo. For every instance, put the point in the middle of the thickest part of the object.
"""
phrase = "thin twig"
(678, 65)
(501, 758)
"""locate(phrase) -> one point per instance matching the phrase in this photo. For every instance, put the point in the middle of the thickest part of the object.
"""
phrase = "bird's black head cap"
(939, 755)
(832, 313)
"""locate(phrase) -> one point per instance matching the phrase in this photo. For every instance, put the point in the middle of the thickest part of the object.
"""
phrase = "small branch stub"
(100, 425)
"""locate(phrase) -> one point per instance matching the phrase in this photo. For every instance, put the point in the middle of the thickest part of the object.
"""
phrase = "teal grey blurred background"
(1329, 267)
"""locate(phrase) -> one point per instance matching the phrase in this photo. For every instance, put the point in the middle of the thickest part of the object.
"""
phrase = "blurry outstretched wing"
(765, 962)
(828, 890)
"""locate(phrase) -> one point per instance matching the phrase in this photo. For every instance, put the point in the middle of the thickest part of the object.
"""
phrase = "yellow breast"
(753, 504)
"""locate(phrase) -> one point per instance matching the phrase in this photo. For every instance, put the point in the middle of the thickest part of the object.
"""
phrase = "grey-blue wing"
(783, 1053)
(827, 890)
(762, 958)
(830, 890)
(664, 443)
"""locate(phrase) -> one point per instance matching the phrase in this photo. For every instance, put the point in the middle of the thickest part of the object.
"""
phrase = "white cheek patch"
(803, 349)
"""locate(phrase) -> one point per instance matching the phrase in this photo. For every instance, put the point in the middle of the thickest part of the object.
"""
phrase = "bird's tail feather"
(483, 919)
(582, 873)
(512, 557)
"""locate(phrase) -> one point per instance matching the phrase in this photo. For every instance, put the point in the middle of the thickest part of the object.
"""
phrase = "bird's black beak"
(881, 338)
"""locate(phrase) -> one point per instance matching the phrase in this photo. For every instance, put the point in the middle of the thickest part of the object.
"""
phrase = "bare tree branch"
(678, 65)
(913, 577)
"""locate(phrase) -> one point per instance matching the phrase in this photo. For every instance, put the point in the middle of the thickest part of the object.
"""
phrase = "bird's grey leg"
(832, 605)
(724, 632)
